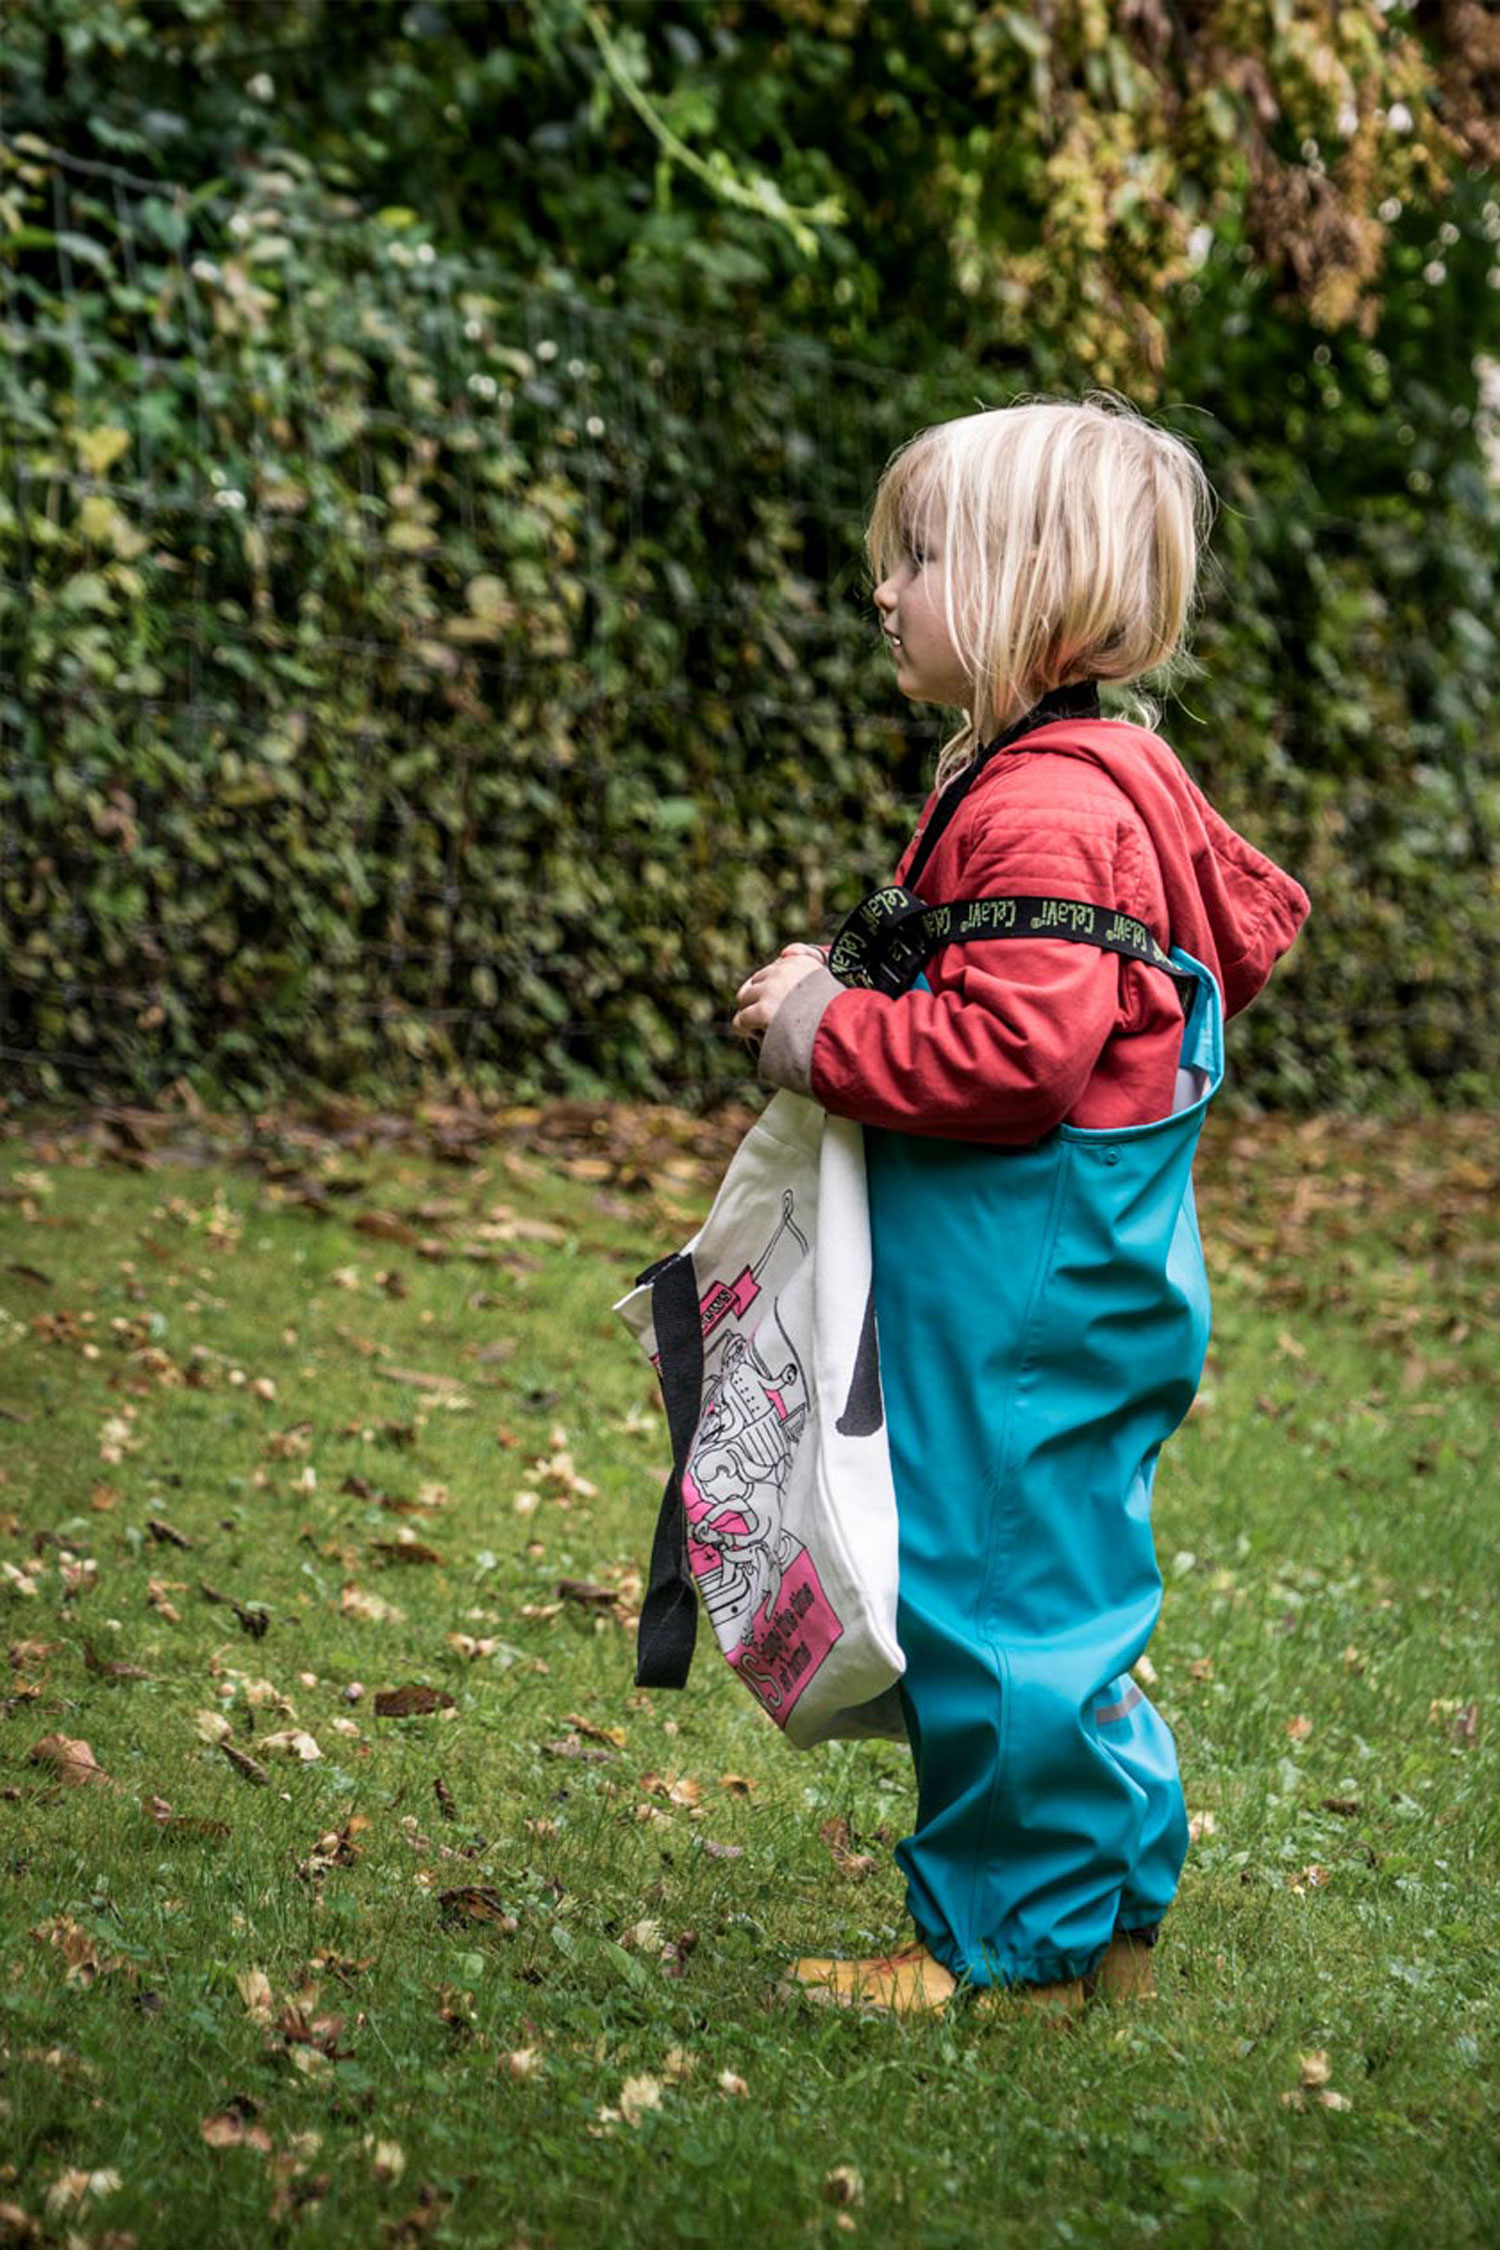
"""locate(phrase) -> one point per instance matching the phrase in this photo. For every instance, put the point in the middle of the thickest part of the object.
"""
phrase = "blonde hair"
(1070, 534)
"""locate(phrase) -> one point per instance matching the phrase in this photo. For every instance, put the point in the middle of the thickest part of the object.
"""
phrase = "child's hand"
(761, 995)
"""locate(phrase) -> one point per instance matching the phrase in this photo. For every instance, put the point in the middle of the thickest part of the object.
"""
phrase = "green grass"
(1327, 1528)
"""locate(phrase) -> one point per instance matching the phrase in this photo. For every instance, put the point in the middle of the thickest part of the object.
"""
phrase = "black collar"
(1079, 699)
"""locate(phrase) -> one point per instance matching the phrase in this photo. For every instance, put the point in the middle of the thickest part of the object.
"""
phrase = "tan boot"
(1127, 1971)
(1062, 2002)
(910, 1982)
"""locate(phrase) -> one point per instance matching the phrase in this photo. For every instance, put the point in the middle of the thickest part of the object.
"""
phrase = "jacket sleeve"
(1002, 1048)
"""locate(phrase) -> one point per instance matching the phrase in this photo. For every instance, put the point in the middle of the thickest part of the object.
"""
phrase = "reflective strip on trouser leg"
(1043, 1318)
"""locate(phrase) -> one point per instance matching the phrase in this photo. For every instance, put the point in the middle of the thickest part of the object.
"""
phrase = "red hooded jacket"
(1017, 1036)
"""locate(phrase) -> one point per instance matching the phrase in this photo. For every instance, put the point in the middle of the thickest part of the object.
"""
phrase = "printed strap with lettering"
(887, 941)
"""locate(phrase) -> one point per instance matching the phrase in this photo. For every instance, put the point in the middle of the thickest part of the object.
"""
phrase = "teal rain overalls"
(1043, 1319)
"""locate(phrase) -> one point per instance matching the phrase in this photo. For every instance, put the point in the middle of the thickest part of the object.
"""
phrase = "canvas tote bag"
(780, 1511)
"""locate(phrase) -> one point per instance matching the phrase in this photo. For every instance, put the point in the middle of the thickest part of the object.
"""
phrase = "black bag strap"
(886, 942)
(669, 1612)
(1078, 700)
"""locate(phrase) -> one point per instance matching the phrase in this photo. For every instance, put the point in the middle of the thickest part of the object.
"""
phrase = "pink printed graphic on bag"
(772, 1617)
(757, 1579)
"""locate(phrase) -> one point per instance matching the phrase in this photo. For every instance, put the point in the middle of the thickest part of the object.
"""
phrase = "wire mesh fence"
(346, 587)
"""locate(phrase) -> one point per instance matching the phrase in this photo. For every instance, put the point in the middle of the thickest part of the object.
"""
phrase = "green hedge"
(408, 673)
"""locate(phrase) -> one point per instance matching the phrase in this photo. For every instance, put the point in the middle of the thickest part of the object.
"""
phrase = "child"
(1031, 1110)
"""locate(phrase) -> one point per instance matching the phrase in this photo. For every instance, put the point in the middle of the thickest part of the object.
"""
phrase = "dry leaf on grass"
(580, 1753)
(1312, 2090)
(73, 1763)
(637, 2096)
(477, 1902)
(340, 1847)
(84, 1962)
(252, 1620)
(27, 1653)
(111, 1667)
(841, 1842)
(237, 2126)
(373, 1609)
(585, 1593)
(254, 1988)
(412, 1701)
(615, 1736)
(171, 1823)
(245, 1766)
(292, 1742)
(407, 1550)
(166, 1534)
(71, 2190)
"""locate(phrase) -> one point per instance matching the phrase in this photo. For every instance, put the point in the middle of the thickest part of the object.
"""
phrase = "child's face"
(912, 617)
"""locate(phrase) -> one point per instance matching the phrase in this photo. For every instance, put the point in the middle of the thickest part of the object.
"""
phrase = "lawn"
(298, 1416)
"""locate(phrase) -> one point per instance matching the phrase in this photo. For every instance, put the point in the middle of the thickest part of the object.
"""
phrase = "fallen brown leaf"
(237, 2126)
(585, 1593)
(340, 1847)
(166, 1535)
(477, 1902)
(615, 1736)
(411, 1702)
(111, 1668)
(245, 1765)
(73, 1763)
(580, 1753)
(404, 1551)
(256, 1622)
(353, 1602)
(842, 1843)
(79, 1951)
(159, 1599)
(254, 1988)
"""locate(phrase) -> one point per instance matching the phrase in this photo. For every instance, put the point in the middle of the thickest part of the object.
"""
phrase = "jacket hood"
(1229, 906)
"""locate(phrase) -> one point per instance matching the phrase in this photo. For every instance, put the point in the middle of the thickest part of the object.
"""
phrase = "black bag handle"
(668, 1628)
